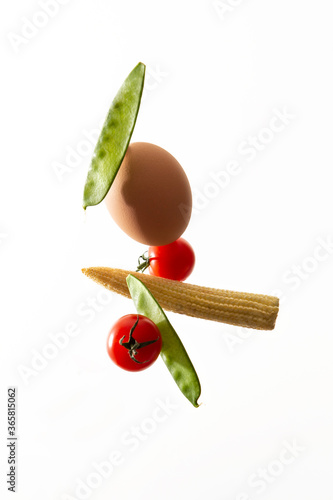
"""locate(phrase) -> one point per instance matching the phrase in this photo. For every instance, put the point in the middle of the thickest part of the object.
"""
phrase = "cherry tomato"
(134, 342)
(174, 261)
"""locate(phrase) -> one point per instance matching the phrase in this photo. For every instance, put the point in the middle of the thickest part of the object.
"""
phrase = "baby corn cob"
(235, 308)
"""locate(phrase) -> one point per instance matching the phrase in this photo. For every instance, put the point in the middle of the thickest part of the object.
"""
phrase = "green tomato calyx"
(133, 345)
(143, 262)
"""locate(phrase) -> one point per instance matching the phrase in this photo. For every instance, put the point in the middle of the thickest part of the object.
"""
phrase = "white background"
(217, 75)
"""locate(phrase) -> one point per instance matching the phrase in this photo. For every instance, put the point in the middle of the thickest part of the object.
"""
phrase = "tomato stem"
(143, 262)
(133, 345)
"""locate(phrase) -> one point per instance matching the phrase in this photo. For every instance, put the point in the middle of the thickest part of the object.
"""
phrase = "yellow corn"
(242, 309)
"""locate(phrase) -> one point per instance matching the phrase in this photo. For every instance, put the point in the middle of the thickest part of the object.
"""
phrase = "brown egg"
(150, 198)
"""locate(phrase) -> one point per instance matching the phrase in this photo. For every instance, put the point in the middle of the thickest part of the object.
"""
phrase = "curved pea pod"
(114, 138)
(173, 352)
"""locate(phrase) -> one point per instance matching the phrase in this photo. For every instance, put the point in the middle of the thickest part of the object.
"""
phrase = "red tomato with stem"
(174, 261)
(134, 342)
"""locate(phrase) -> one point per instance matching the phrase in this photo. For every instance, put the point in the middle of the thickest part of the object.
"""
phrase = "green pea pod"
(114, 138)
(173, 352)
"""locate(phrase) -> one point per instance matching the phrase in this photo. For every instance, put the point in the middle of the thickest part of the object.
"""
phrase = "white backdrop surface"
(240, 92)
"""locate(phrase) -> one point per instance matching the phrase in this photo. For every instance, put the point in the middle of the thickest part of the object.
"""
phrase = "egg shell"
(150, 198)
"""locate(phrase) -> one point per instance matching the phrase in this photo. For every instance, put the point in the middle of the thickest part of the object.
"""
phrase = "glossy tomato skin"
(144, 331)
(174, 261)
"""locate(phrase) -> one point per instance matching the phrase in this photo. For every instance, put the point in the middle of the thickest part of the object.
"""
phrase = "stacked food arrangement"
(148, 195)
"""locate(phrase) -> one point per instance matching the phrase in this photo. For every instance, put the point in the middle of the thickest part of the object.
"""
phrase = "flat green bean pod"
(173, 352)
(114, 138)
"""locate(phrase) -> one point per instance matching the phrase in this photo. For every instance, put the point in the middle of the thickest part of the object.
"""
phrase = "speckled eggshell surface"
(150, 199)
